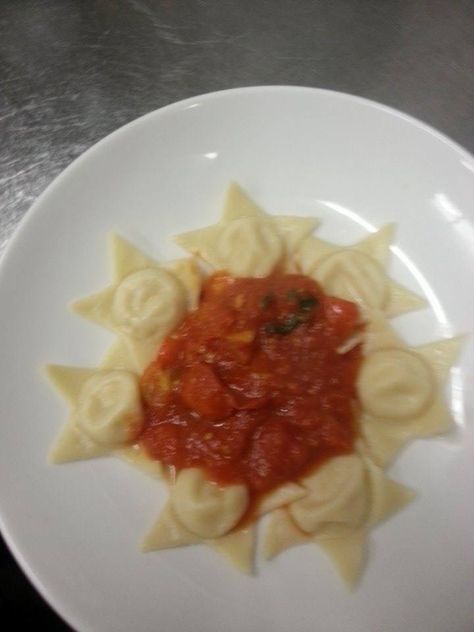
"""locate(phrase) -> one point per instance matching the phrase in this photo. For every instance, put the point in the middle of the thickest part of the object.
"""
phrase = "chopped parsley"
(285, 326)
(305, 304)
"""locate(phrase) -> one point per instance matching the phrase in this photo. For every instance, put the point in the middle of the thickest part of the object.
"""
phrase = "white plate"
(353, 163)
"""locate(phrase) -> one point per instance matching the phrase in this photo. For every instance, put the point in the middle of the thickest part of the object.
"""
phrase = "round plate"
(354, 164)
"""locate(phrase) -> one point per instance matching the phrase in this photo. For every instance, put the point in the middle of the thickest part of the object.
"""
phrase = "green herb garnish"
(307, 303)
(285, 326)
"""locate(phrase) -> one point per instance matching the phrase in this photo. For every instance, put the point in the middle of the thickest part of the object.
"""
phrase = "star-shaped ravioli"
(105, 411)
(200, 511)
(346, 497)
(401, 389)
(145, 301)
(203, 512)
(72, 442)
(358, 273)
(168, 532)
(247, 242)
(280, 497)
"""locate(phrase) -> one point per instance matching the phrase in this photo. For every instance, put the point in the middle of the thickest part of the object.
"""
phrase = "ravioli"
(346, 498)
(204, 508)
(358, 272)
(400, 388)
(247, 242)
(145, 301)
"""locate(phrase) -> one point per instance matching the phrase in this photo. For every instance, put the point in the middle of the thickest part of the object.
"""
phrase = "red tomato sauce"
(250, 387)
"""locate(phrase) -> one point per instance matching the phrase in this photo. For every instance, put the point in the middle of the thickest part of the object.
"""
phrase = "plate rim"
(221, 94)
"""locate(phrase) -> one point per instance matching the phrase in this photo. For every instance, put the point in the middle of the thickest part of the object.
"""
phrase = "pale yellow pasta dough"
(395, 384)
(281, 534)
(125, 258)
(205, 508)
(247, 247)
(347, 554)
(188, 273)
(146, 304)
(281, 496)
(238, 547)
(247, 242)
(401, 300)
(346, 497)
(118, 356)
(354, 276)
(337, 498)
(135, 456)
(68, 380)
(293, 230)
(386, 496)
(105, 411)
(71, 443)
(168, 532)
(109, 407)
(377, 244)
(238, 204)
(357, 272)
(401, 389)
(378, 334)
(146, 300)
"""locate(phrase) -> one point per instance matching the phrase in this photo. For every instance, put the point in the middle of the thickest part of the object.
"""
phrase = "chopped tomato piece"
(202, 392)
(342, 316)
(168, 352)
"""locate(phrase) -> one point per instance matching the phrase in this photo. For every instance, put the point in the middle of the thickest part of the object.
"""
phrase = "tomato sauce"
(251, 386)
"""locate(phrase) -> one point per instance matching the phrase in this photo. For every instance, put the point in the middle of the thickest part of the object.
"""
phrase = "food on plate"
(258, 375)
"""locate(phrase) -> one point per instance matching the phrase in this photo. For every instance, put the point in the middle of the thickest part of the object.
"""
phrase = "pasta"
(401, 390)
(246, 242)
(204, 508)
(336, 500)
(146, 300)
(398, 389)
(109, 407)
(347, 497)
(357, 272)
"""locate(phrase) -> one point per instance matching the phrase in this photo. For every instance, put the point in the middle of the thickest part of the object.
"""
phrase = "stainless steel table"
(71, 71)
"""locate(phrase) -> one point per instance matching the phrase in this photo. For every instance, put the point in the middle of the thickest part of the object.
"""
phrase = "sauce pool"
(251, 386)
